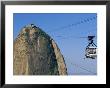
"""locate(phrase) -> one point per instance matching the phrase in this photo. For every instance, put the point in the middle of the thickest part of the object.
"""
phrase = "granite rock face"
(36, 53)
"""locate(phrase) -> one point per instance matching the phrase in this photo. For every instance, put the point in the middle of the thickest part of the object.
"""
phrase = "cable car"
(91, 52)
(91, 49)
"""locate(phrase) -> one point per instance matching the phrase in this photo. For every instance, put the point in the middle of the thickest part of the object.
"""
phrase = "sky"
(67, 29)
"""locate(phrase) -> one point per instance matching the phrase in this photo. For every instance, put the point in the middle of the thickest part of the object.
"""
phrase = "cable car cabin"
(91, 52)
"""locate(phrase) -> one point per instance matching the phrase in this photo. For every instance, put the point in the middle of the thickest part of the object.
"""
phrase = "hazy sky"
(66, 29)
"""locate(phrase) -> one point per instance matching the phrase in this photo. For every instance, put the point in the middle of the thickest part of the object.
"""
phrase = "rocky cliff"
(36, 53)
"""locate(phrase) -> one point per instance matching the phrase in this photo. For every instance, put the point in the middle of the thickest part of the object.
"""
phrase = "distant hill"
(36, 53)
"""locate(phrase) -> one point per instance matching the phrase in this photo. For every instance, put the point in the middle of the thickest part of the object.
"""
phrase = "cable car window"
(91, 50)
